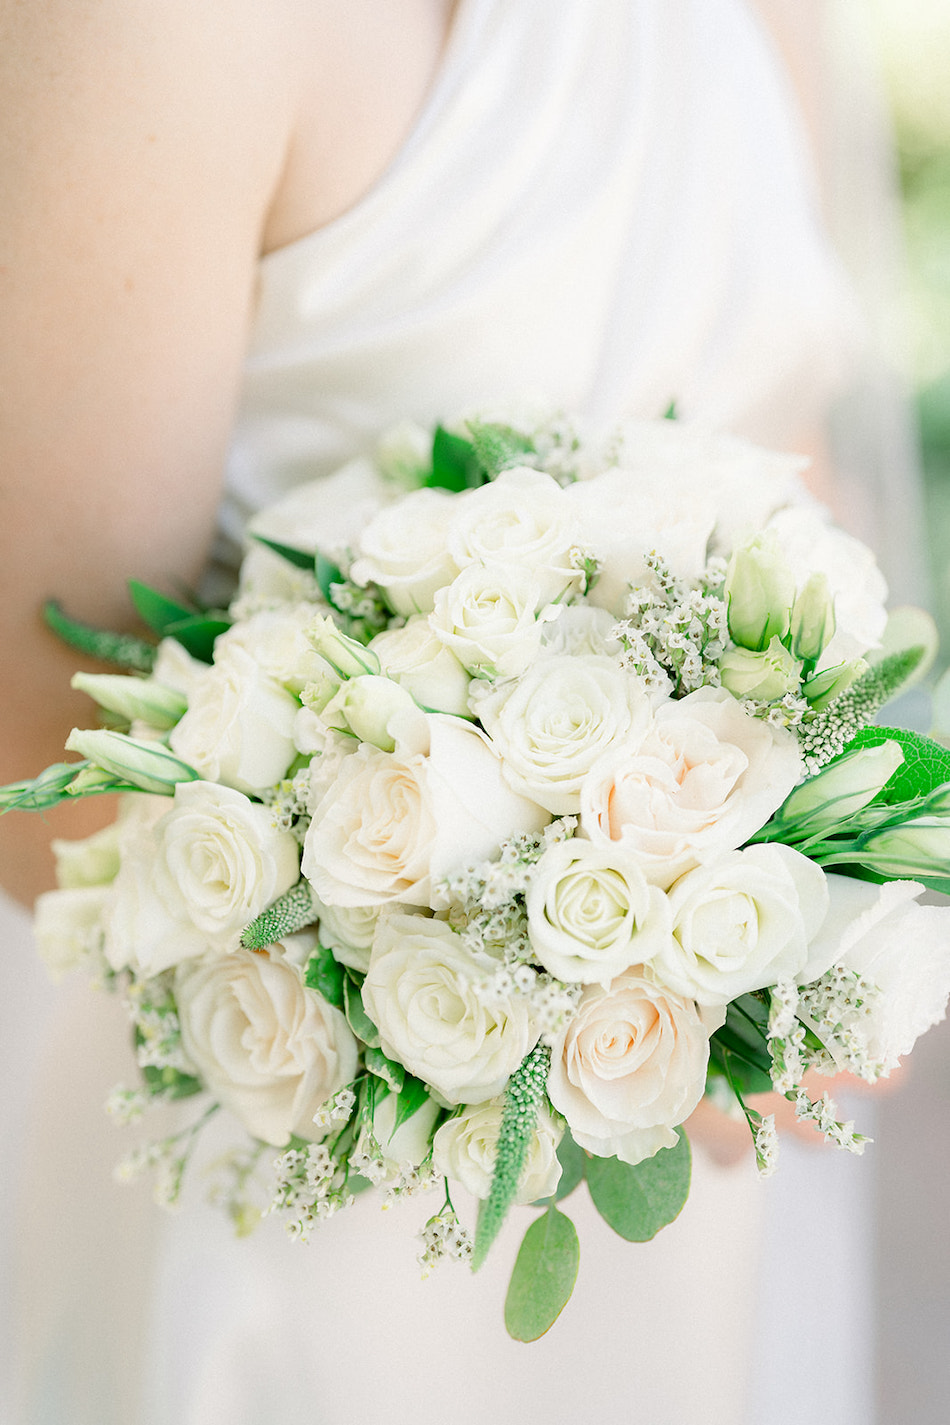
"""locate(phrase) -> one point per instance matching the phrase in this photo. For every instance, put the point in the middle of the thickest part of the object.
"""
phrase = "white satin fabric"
(604, 204)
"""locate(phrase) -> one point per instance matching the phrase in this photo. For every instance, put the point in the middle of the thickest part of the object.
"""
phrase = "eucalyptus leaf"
(357, 1018)
(637, 1200)
(325, 975)
(925, 767)
(300, 558)
(543, 1277)
(573, 1161)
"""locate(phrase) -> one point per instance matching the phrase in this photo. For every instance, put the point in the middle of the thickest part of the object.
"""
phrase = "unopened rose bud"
(760, 591)
(135, 699)
(824, 687)
(843, 787)
(813, 619)
(345, 656)
(765, 676)
(147, 765)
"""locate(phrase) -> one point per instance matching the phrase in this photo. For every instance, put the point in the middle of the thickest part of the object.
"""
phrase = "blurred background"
(911, 45)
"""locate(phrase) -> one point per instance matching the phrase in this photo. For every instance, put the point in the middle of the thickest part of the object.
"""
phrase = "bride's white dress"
(603, 205)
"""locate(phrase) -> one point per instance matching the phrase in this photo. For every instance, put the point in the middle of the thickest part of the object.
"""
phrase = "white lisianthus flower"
(68, 926)
(420, 662)
(390, 827)
(239, 727)
(701, 780)
(192, 875)
(903, 948)
(492, 619)
(742, 923)
(277, 641)
(269, 1049)
(521, 519)
(348, 931)
(464, 1149)
(404, 550)
(420, 992)
(553, 723)
(630, 1066)
(591, 913)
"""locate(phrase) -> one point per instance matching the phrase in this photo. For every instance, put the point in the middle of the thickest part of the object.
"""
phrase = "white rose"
(703, 778)
(629, 1066)
(524, 519)
(348, 931)
(581, 629)
(271, 1050)
(277, 641)
(901, 947)
(267, 580)
(390, 827)
(175, 667)
(492, 619)
(193, 873)
(420, 992)
(591, 913)
(464, 1149)
(812, 545)
(404, 551)
(553, 723)
(741, 923)
(328, 513)
(421, 663)
(68, 925)
(239, 725)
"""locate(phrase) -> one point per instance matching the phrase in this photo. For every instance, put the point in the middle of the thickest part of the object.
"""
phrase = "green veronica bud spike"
(519, 1117)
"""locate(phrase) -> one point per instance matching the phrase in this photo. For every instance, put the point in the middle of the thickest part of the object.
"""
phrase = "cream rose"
(492, 619)
(277, 641)
(629, 1067)
(553, 723)
(464, 1149)
(701, 780)
(389, 827)
(741, 923)
(420, 991)
(269, 1049)
(591, 913)
(192, 874)
(239, 727)
(404, 551)
(421, 663)
(348, 931)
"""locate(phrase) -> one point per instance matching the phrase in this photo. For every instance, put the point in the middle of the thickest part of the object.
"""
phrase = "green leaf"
(357, 1018)
(498, 447)
(197, 634)
(636, 1201)
(327, 573)
(170, 1083)
(543, 1277)
(455, 466)
(155, 609)
(411, 1098)
(386, 1069)
(573, 1162)
(926, 764)
(325, 975)
(123, 650)
(670, 413)
(298, 557)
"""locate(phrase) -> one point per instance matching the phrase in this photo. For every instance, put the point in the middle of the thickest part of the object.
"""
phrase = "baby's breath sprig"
(311, 1185)
(289, 801)
(444, 1236)
(168, 1157)
(674, 631)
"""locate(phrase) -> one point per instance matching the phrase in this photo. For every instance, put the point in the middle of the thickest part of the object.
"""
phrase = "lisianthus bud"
(148, 765)
(403, 454)
(843, 787)
(765, 676)
(920, 847)
(345, 656)
(824, 687)
(813, 618)
(135, 699)
(320, 690)
(377, 710)
(760, 591)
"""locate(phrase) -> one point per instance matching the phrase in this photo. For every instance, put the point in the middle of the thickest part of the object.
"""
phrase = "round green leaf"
(544, 1276)
(573, 1161)
(637, 1201)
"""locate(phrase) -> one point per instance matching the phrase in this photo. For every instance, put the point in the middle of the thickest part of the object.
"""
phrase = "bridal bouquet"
(527, 791)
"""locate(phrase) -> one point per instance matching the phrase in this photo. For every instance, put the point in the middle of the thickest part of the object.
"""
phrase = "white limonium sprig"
(125, 1105)
(168, 1158)
(824, 1115)
(288, 802)
(337, 1110)
(674, 632)
(311, 1185)
(833, 1007)
(444, 1237)
(235, 1175)
(154, 1015)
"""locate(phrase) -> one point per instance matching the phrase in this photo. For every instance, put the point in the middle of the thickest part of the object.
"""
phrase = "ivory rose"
(492, 618)
(591, 913)
(404, 551)
(701, 779)
(269, 1049)
(464, 1149)
(420, 992)
(389, 827)
(630, 1066)
(420, 662)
